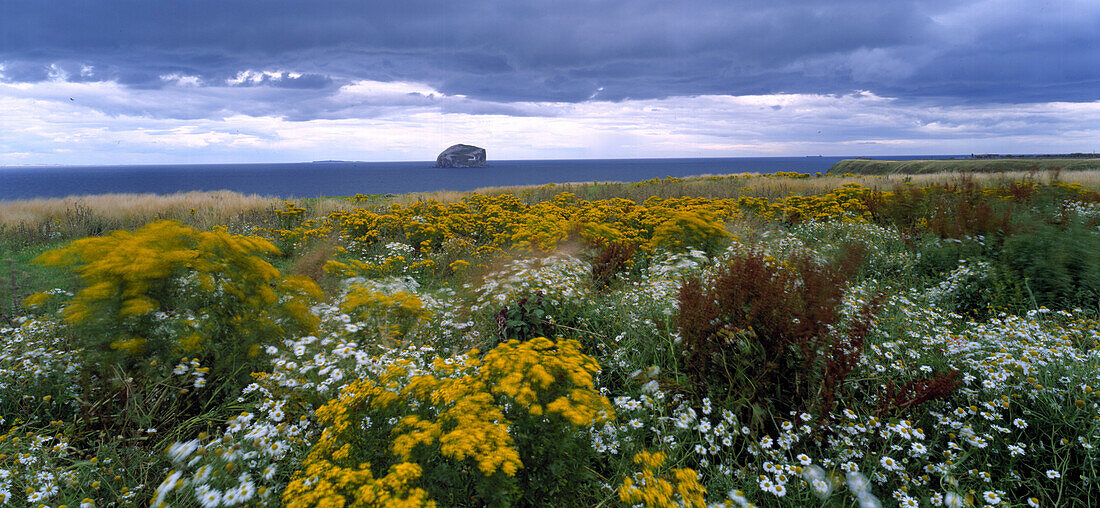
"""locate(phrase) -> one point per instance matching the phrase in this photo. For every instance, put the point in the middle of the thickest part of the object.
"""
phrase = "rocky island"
(461, 156)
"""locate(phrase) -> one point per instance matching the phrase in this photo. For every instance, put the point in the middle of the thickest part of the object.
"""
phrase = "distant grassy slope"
(917, 167)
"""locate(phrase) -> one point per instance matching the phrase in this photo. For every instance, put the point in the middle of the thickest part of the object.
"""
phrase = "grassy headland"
(925, 166)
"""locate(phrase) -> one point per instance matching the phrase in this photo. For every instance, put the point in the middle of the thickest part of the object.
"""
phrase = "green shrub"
(1055, 267)
(525, 319)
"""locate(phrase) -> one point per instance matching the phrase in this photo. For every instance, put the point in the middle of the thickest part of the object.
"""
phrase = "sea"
(345, 178)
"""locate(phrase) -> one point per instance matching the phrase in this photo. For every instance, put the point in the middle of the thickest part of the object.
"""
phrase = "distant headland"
(985, 163)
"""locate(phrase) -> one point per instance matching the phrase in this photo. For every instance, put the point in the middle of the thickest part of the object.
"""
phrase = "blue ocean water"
(311, 179)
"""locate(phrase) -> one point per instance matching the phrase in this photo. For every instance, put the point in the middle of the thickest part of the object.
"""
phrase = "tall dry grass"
(323, 206)
(748, 184)
(36, 220)
(202, 207)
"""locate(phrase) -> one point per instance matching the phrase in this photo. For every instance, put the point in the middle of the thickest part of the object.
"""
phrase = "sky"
(209, 81)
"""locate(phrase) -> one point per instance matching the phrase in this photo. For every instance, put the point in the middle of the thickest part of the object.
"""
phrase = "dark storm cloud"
(569, 50)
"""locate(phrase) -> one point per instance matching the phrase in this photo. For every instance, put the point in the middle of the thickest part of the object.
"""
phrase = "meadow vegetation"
(713, 341)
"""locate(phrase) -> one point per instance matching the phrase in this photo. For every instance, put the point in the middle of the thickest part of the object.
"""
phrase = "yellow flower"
(35, 300)
(656, 491)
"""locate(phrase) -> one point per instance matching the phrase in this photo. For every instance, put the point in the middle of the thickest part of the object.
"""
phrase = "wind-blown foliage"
(167, 290)
(705, 351)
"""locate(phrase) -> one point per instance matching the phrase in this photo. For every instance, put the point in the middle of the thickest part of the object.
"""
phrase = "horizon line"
(432, 161)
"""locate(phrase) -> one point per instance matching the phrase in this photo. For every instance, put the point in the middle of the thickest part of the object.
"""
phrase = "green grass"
(20, 277)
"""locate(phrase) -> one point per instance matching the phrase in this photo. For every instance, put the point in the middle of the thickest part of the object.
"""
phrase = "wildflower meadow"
(664, 343)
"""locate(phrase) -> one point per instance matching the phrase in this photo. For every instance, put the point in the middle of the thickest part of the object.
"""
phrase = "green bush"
(525, 319)
(1055, 267)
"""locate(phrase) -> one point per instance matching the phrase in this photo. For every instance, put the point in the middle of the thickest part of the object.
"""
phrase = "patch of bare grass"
(35, 220)
(212, 207)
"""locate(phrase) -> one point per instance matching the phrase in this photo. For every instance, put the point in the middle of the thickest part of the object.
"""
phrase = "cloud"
(582, 77)
(279, 79)
(369, 120)
(181, 80)
(564, 50)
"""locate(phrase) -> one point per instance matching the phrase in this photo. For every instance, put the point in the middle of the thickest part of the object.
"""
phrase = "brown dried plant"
(762, 335)
(611, 259)
(895, 400)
